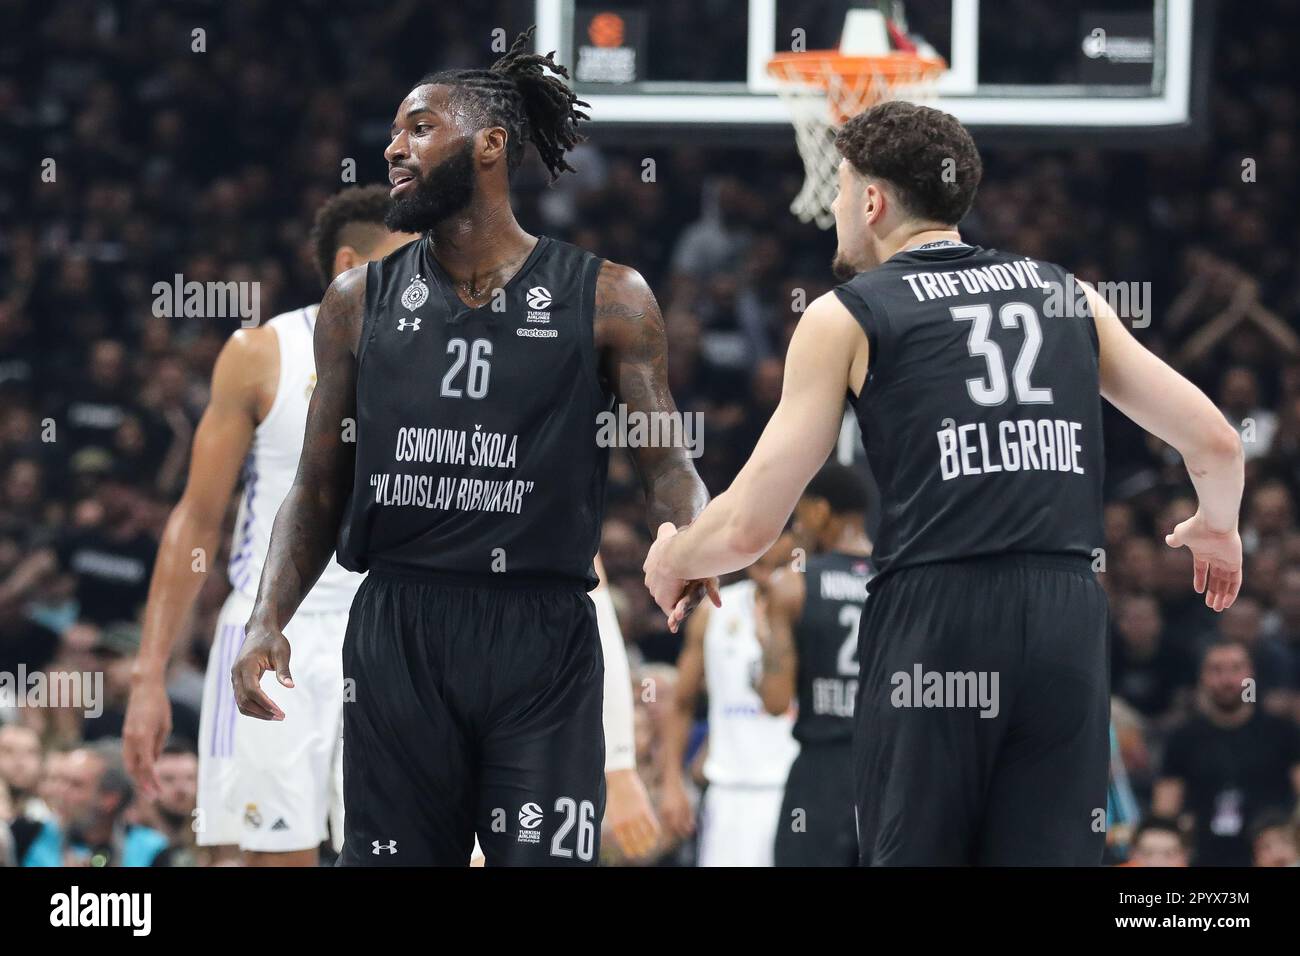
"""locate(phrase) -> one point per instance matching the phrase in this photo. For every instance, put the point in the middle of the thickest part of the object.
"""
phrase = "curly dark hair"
(356, 205)
(926, 155)
(841, 487)
(518, 95)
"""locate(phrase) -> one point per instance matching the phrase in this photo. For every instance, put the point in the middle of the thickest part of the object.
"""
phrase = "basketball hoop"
(823, 88)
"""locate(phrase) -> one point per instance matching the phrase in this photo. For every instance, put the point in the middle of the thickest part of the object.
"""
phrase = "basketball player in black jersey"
(472, 365)
(807, 623)
(982, 703)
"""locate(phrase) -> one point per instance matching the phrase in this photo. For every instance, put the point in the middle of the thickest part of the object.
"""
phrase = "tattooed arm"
(780, 604)
(634, 366)
(306, 526)
(630, 341)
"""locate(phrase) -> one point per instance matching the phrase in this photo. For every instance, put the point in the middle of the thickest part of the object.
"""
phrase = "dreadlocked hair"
(518, 95)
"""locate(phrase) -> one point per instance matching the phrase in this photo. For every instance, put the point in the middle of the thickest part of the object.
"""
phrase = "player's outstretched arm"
(190, 540)
(306, 526)
(779, 605)
(629, 334)
(1164, 403)
(740, 524)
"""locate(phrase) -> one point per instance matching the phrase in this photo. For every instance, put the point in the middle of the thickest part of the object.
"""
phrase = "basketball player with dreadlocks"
(472, 365)
(979, 406)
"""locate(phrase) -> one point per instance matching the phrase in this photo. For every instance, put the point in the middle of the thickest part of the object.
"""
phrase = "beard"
(842, 269)
(172, 818)
(444, 191)
(1229, 702)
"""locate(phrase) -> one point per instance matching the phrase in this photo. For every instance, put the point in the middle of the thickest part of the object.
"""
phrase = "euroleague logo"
(530, 816)
(539, 300)
(530, 819)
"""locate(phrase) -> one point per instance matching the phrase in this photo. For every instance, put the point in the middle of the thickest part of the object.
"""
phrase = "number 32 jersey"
(476, 448)
(981, 412)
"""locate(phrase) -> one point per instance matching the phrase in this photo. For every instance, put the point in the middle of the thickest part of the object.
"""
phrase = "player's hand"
(675, 596)
(265, 649)
(145, 730)
(696, 591)
(1216, 559)
(629, 815)
(664, 587)
(675, 809)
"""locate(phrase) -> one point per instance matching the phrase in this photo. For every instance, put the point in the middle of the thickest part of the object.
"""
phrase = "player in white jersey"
(270, 787)
(749, 751)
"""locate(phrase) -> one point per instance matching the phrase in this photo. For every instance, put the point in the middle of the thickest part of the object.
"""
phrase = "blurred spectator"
(1146, 670)
(111, 557)
(20, 771)
(1228, 762)
(1243, 624)
(1274, 841)
(1239, 401)
(1159, 842)
(91, 826)
(172, 811)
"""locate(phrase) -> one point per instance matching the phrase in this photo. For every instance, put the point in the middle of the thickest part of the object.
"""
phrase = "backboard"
(1097, 68)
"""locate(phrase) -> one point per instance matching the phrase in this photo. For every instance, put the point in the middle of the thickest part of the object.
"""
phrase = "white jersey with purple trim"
(271, 465)
(748, 747)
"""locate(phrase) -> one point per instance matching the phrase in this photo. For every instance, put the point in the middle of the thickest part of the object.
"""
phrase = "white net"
(818, 93)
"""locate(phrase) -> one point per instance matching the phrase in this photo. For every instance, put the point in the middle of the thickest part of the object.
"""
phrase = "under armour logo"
(390, 846)
(413, 323)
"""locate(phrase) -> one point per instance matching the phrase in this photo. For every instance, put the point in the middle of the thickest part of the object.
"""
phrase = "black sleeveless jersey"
(981, 412)
(826, 640)
(476, 427)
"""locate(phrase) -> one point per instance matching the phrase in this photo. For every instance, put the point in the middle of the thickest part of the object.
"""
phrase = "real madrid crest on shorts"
(416, 294)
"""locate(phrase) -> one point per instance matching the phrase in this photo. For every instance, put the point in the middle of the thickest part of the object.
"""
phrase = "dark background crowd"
(211, 165)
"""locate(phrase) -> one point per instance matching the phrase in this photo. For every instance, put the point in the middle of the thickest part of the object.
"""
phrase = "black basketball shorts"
(817, 826)
(472, 709)
(982, 714)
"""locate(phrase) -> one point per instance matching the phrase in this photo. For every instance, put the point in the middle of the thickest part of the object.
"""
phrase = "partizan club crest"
(416, 294)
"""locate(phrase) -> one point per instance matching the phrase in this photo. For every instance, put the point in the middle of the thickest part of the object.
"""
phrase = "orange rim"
(813, 65)
(866, 80)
